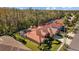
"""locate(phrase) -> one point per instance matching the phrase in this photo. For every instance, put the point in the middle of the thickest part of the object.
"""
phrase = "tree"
(13, 19)
(46, 44)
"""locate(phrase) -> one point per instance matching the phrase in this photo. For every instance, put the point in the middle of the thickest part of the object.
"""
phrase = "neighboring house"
(38, 34)
(8, 43)
(71, 18)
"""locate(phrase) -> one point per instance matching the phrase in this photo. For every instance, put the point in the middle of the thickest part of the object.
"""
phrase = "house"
(37, 34)
(8, 43)
(71, 18)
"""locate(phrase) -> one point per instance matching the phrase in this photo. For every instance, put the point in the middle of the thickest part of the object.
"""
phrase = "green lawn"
(70, 29)
(34, 46)
(63, 48)
(55, 46)
(29, 43)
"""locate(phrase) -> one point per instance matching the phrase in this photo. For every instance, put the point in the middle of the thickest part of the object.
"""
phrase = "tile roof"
(34, 35)
(37, 34)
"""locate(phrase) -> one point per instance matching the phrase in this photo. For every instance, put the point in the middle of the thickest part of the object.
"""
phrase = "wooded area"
(13, 20)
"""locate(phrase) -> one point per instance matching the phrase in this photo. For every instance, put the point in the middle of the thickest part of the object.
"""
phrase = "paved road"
(74, 46)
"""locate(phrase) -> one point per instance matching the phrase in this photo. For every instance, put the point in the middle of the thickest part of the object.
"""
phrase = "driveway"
(74, 46)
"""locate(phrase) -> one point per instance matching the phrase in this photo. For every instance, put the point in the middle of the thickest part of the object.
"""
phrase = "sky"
(42, 4)
(50, 8)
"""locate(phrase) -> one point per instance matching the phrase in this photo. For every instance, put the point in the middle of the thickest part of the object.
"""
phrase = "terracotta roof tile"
(38, 33)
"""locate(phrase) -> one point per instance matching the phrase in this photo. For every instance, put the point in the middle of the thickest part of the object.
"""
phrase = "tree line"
(13, 20)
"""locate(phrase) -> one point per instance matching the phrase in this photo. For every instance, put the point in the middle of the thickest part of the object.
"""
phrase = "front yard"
(32, 45)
